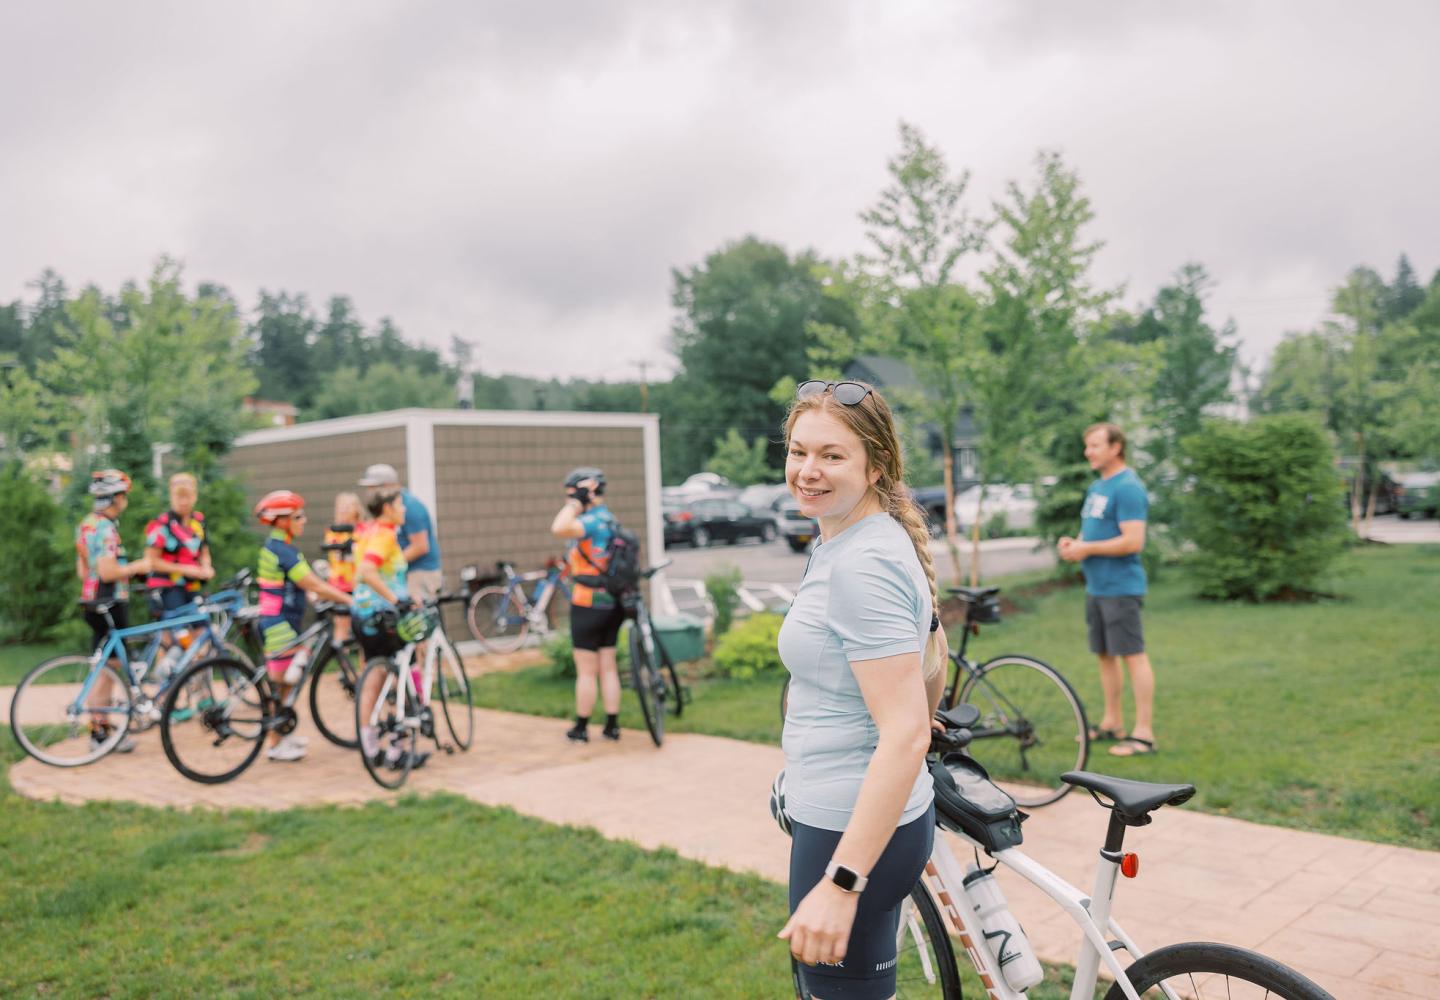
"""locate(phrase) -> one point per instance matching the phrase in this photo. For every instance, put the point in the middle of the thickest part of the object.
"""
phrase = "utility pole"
(644, 387)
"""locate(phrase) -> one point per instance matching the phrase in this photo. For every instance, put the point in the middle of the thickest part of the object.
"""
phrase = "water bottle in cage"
(1003, 934)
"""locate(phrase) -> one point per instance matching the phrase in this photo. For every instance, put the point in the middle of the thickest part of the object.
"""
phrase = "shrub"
(38, 589)
(722, 586)
(749, 649)
(1264, 509)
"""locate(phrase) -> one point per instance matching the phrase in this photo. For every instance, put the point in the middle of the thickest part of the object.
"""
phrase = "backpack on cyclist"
(621, 574)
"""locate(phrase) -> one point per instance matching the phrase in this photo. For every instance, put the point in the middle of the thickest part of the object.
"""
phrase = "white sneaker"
(288, 749)
(296, 670)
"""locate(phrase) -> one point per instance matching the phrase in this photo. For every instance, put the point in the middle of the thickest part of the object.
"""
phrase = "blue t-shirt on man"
(417, 519)
(1122, 497)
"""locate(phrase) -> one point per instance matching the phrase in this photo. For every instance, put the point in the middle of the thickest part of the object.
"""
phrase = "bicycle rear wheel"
(1197, 970)
(332, 697)
(52, 727)
(496, 617)
(649, 688)
(232, 709)
(391, 765)
(1032, 727)
(454, 689)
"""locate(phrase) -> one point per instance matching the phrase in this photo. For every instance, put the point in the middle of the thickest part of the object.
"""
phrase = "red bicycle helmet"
(278, 504)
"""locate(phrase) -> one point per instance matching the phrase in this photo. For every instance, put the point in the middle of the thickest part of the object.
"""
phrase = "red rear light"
(1130, 865)
(684, 515)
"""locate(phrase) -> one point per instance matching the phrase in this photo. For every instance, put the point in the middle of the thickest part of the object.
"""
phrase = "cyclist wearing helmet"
(104, 574)
(284, 577)
(381, 589)
(595, 615)
(179, 555)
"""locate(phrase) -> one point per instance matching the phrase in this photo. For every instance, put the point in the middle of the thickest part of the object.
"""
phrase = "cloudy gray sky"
(526, 175)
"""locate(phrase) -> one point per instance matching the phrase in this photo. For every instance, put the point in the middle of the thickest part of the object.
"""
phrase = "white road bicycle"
(405, 711)
(983, 816)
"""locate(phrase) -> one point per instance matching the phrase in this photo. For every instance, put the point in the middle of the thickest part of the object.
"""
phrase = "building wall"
(498, 488)
(497, 484)
(317, 468)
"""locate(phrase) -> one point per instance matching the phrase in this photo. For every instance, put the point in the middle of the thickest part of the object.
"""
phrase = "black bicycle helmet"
(777, 804)
(577, 476)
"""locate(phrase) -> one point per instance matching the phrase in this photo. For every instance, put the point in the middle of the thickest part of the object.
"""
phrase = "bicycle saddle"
(1133, 800)
(973, 594)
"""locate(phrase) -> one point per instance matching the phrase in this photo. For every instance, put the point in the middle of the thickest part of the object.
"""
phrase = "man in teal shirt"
(1112, 533)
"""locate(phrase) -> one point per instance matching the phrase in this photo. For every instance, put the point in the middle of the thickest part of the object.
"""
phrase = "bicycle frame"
(535, 604)
(1091, 913)
(134, 671)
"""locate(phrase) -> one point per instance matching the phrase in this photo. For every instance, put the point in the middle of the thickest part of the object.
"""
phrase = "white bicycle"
(984, 816)
(404, 709)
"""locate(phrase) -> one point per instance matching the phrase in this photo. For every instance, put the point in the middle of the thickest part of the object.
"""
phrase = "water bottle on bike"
(1003, 934)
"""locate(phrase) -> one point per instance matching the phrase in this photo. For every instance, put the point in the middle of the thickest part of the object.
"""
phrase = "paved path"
(1362, 919)
(1395, 530)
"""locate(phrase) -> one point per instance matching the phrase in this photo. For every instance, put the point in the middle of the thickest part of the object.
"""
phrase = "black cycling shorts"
(595, 628)
(169, 602)
(100, 628)
(867, 972)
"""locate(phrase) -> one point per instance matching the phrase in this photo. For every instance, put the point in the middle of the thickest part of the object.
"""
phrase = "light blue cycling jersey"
(864, 597)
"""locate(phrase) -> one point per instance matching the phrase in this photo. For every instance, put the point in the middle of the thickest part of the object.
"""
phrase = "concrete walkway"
(1361, 919)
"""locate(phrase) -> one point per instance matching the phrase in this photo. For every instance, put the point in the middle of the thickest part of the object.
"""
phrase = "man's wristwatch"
(845, 878)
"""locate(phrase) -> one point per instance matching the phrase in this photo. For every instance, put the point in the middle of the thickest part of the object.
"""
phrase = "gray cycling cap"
(379, 475)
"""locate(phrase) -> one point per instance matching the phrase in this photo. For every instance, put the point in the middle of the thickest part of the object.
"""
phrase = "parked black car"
(714, 519)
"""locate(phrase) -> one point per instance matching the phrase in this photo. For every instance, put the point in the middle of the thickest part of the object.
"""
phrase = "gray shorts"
(1114, 623)
(423, 584)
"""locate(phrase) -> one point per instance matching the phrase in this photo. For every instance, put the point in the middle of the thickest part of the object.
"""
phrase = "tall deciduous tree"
(1196, 362)
(742, 326)
(905, 289)
(1032, 372)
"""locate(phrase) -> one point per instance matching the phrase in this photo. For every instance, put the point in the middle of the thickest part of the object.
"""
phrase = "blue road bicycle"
(502, 616)
(55, 704)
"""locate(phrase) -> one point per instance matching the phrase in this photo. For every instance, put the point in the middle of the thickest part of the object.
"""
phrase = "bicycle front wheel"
(1032, 727)
(497, 618)
(332, 698)
(224, 735)
(51, 721)
(454, 689)
(1200, 969)
(397, 741)
(649, 688)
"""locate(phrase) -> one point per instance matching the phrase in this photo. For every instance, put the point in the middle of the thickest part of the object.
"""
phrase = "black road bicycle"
(237, 703)
(652, 672)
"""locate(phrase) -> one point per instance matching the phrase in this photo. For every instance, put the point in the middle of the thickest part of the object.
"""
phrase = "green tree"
(741, 463)
(905, 292)
(1264, 508)
(175, 373)
(1196, 362)
(37, 589)
(282, 333)
(1032, 372)
(384, 386)
(1404, 295)
(742, 322)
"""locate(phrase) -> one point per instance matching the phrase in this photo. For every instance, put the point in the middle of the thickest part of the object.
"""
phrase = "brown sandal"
(1133, 746)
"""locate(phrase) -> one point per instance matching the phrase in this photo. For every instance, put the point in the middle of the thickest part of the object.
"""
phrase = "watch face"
(845, 878)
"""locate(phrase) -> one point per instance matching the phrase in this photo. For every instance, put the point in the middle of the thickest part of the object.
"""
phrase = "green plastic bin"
(683, 636)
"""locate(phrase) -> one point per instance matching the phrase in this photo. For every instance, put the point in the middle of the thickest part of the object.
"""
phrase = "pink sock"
(415, 680)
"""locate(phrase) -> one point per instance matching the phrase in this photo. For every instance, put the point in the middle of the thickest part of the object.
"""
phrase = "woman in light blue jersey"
(866, 659)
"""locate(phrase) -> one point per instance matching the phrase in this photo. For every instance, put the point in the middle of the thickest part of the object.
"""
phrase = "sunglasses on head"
(848, 393)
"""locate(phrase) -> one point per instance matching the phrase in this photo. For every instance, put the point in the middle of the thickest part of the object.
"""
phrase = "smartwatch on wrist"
(847, 879)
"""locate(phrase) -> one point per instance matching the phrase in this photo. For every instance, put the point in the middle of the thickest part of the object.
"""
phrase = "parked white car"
(1016, 502)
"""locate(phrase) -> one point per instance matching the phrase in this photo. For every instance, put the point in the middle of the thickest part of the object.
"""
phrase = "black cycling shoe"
(417, 761)
(611, 733)
(578, 734)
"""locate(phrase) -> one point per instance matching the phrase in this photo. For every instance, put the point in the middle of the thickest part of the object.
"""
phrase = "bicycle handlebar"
(648, 573)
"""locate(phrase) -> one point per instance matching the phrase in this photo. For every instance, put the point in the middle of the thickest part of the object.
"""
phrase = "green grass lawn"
(434, 896)
(1319, 716)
